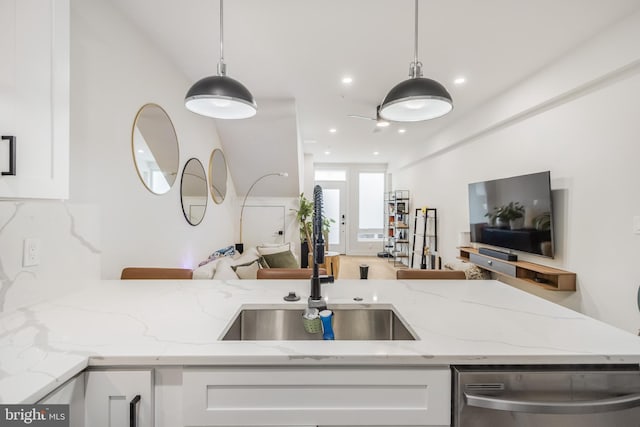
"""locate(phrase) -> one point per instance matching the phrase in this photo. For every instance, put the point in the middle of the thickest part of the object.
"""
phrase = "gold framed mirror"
(193, 191)
(218, 176)
(154, 146)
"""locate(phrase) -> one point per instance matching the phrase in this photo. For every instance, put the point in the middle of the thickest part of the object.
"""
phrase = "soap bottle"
(326, 316)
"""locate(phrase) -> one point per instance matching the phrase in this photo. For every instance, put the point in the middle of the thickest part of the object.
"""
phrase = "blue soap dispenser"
(326, 316)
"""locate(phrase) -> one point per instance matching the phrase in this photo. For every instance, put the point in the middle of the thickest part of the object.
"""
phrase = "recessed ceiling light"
(140, 151)
(402, 130)
(459, 80)
(347, 80)
(333, 130)
(327, 152)
(375, 153)
(382, 123)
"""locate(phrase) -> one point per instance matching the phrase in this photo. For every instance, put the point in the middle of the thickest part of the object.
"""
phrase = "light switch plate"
(31, 252)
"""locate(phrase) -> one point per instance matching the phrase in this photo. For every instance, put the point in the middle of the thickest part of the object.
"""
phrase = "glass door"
(335, 195)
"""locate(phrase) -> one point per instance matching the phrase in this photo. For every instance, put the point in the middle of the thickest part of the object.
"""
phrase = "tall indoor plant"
(304, 215)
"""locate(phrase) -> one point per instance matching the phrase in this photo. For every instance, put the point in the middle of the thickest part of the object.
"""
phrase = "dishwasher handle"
(540, 407)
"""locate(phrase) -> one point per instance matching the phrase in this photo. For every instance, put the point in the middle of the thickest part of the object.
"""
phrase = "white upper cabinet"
(34, 98)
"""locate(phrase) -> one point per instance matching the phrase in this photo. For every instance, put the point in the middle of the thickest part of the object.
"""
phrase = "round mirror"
(218, 175)
(155, 148)
(193, 191)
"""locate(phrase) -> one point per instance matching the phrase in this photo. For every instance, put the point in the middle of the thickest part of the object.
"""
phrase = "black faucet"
(315, 299)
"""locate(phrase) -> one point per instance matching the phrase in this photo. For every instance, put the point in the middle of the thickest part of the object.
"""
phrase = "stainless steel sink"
(349, 323)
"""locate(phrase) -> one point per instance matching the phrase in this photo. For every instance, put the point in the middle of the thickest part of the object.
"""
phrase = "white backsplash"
(69, 235)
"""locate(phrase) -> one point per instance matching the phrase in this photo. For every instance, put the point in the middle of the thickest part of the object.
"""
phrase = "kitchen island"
(180, 323)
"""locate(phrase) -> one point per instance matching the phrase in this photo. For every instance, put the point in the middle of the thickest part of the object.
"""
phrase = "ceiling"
(299, 50)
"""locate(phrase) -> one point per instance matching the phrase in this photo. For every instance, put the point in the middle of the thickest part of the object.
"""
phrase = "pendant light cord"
(222, 68)
(415, 46)
(415, 70)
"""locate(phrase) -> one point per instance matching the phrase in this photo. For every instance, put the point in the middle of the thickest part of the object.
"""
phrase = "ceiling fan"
(380, 122)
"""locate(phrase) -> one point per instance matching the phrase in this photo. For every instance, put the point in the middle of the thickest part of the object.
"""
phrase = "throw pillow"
(247, 270)
(263, 263)
(220, 253)
(207, 270)
(225, 272)
(476, 273)
(268, 249)
(471, 271)
(281, 260)
(249, 254)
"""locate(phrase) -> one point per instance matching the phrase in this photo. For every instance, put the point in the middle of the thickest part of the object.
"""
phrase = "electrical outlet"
(31, 252)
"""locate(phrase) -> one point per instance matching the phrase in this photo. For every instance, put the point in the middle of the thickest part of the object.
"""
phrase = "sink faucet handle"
(326, 279)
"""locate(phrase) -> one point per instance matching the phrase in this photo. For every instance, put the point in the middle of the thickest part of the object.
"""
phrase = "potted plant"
(326, 227)
(304, 215)
(511, 215)
(498, 217)
(542, 222)
(514, 213)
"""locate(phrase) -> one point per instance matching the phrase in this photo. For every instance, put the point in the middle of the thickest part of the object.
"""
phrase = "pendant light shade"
(220, 96)
(416, 98)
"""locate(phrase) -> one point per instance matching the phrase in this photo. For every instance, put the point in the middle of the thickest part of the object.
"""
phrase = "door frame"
(343, 219)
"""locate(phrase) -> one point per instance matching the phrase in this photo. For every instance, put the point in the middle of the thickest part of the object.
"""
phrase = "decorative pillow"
(263, 263)
(220, 253)
(281, 260)
(476, 273)
(273, 248)
(207, 270)
(471, 271)
(225, 272)
(247, 270)
(250, 254)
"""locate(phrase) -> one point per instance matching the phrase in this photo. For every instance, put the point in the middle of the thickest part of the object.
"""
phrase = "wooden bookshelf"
(549, 278)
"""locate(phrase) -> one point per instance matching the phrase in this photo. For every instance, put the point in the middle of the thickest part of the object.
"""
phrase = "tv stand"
(549, 278)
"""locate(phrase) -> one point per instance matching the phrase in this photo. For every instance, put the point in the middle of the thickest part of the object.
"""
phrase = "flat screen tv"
(513, 213)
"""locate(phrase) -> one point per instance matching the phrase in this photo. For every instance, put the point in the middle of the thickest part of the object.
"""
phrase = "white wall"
(114, 71)
(257, 217)
(69, 236)
(577, 118)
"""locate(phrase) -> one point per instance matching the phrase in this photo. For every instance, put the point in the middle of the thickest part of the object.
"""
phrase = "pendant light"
(416, 98)
(220, 96)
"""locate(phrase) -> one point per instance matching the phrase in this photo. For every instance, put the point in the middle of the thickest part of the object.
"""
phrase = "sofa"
(225, 264)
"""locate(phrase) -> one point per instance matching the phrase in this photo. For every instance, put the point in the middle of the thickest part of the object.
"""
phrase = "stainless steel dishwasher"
(549, 396)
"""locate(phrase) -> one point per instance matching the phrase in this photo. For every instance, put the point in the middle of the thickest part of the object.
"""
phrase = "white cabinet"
(70, 393)
(111, 398)
(331, 396)
(34, 97)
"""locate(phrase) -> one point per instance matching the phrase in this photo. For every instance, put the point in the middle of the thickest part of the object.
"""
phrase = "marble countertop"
(113, 323)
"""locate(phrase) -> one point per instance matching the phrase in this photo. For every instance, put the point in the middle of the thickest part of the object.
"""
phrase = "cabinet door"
(336, 396)
(34, 97)
(71, 393)
(108, 395)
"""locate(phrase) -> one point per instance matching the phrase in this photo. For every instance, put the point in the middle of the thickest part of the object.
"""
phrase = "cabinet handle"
(133, 413)
(12, 155)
